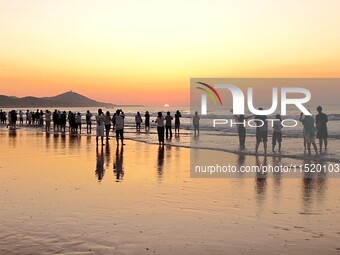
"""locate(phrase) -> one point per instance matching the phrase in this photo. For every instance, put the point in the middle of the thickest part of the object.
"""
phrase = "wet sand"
(59, 195)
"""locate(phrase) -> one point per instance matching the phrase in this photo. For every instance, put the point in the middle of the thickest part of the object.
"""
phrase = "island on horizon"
(67, 99)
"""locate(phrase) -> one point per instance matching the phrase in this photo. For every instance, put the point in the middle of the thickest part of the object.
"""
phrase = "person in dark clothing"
(321, 120)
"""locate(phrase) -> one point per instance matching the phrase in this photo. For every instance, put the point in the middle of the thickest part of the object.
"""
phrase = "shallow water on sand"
(60, 195)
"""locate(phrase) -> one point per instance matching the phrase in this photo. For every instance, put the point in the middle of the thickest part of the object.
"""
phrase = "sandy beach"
(59, 195)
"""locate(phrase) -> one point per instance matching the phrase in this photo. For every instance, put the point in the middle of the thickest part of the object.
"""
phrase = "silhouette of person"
(119, 124)
(321, 120)
(168, 124)
(261, 131)
(138, 121)
(147, 121)
(241, 128)
(160, 128)
(107, 125)
(309, 132)
(178, 115)
(196, 123)
(88, 121)
(277, 133)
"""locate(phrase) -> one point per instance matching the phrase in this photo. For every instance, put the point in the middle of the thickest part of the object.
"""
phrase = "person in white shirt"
(160, 128)
(78, 122)
(100, 119)
(277, 133)
(47, 120)
(119, 124)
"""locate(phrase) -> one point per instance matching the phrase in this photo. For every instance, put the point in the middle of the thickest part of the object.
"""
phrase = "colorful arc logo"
(211, 92)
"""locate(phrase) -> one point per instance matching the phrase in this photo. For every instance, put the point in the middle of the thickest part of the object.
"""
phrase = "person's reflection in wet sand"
(240, 162)
(277, 176)
(48, 141)
(314, 186)
(100, 163)
(12, 137)
(261, 182)
(160, 161)
(107, 154)
(63, 142)
(118, 163)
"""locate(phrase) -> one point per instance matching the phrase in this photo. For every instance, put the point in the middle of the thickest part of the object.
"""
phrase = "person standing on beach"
(88, 121)
(47, 121)
(277, 133)
(160, 128)
(14, 118)
(41, 118)
(55, 118)
(261, 131)
(309, 132)
(147, 121)
(168, 125)
(72, 122)
(138, 121)
(196, 123)
(78, 123)
(119, 121)
(241, 129)
(62, 122)
(100, 120)
(27, 114)
(107, 125)
(21, 117)
(321, 120)
(178, 115)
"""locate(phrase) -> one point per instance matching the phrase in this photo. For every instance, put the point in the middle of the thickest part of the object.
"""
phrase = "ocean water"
(223, 137)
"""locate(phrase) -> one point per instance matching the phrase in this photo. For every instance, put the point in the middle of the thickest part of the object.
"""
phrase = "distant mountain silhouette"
(68, 99)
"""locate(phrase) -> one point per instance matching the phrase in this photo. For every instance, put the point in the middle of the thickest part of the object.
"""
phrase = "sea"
(222, 137)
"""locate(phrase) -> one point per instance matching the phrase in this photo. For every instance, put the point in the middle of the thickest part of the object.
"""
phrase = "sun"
(166, 105)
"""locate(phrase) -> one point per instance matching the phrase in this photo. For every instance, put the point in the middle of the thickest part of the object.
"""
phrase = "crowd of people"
(105, 123)
(310, 125)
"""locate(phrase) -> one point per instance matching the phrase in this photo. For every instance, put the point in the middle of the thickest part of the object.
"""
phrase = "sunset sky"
(145, 52)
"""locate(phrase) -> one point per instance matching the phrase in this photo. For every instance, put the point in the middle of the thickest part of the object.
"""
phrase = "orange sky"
(145, 52)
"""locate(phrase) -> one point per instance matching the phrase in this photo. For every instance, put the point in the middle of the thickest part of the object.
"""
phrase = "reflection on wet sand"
(160, 161)
(100, 163)
(314, 186)
(277, 176)
(261, 182)
(118, 163)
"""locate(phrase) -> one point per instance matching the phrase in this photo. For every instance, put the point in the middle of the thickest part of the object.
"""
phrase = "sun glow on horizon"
(145, 52)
